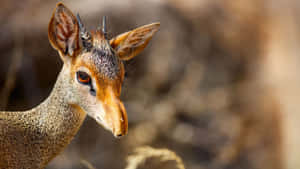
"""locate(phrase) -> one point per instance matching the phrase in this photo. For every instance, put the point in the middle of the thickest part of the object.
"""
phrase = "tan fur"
(30, 139)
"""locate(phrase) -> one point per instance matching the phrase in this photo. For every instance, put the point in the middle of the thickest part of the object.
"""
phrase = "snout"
(113, 117)
(111, 114)
(118, 119)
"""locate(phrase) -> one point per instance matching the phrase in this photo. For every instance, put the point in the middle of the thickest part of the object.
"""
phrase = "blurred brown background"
(218, 84)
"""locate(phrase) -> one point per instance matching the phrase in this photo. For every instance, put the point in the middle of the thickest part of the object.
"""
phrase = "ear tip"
(60, 4)
(155, 25)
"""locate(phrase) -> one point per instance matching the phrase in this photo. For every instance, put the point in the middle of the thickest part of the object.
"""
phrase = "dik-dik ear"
(63, 32)
(129, 44)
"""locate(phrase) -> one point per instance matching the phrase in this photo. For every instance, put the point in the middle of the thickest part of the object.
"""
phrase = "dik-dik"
(89, 83)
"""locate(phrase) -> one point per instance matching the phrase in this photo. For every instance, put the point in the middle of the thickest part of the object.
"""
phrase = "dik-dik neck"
(57, 115)
(42, 132)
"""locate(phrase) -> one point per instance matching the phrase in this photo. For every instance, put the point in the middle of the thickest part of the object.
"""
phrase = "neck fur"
(48, 128)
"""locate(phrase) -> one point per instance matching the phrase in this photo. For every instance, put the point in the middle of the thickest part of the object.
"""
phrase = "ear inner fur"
(63, 31)
(129, 44)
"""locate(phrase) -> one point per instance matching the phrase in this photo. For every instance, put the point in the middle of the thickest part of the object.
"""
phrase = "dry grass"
(87, 164)
(144, 153)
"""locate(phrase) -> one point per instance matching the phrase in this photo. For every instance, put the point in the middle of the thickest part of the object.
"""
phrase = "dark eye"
(83, 78)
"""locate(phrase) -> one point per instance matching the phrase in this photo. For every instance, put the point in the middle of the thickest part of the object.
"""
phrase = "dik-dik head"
(93, 65)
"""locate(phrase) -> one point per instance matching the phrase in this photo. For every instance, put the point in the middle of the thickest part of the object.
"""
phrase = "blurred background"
(218, 84)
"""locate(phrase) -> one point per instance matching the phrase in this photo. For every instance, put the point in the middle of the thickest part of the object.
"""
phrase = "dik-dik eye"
(83, 78)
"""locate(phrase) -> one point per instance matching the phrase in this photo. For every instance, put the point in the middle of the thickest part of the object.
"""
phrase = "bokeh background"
(218, 84)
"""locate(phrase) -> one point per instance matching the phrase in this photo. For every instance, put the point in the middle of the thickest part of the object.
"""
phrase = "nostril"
(119, 135)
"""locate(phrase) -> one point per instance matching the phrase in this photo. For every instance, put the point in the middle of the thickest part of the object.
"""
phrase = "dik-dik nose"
(120, 122)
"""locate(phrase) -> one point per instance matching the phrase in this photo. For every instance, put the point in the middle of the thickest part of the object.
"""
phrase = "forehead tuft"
(105, 62)
(102, 58)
